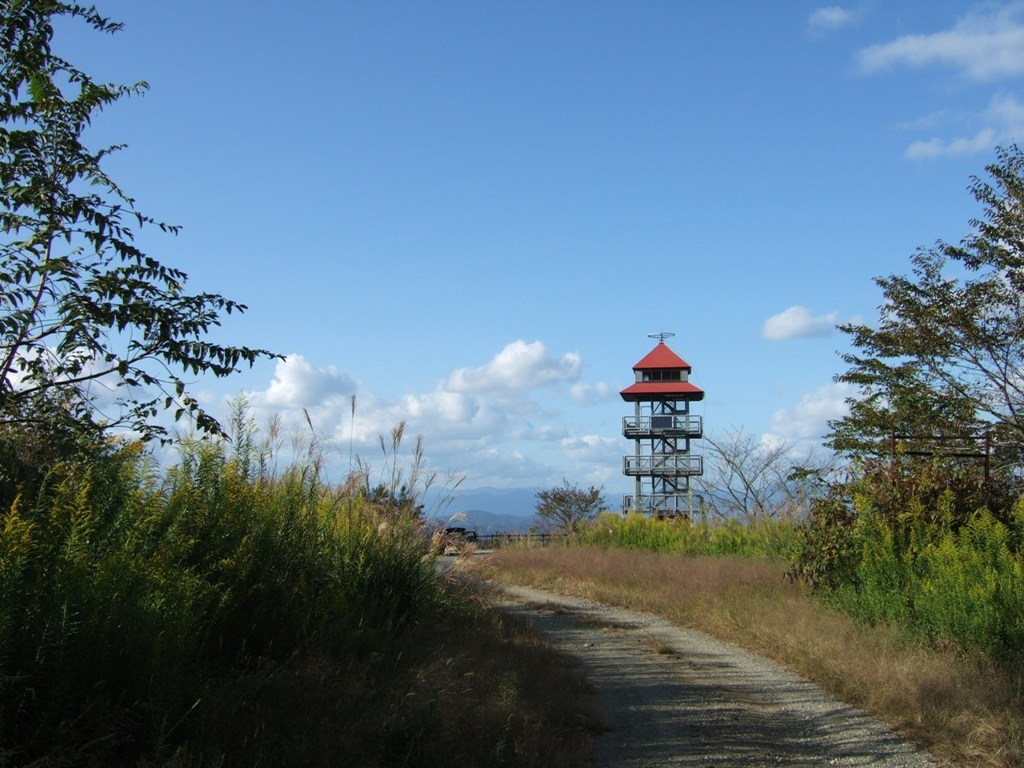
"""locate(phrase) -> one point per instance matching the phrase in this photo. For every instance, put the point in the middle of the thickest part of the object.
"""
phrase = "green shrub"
(968, 588)
(762, 537)
(902, 545)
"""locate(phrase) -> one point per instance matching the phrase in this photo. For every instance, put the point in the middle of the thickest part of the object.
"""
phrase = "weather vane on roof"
(661, 336)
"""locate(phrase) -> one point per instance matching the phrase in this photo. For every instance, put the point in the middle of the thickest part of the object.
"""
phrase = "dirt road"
(675, 697)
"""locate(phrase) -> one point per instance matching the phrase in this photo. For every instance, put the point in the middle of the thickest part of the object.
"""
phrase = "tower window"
(663, 375)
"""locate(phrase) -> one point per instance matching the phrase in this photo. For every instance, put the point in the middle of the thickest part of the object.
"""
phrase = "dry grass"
(961, 709)
(473, 687)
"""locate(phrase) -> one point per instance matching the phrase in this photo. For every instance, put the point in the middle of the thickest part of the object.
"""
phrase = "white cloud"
(1005, 122)
(982, 141)
(592, 447)
(453, 422)
(505, 467)
(1006, 110)
(490, 421)
(518, 366)
(583, 393)
(829, 19)
(797, 322)
(983, 46)
(299, 384)
(807, 422)
(597, 460)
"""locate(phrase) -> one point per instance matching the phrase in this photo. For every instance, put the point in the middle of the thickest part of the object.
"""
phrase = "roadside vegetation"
(893, 573)
(953, 700)
(763, 537)
(238, 609)
(234, 609)
(231, 612)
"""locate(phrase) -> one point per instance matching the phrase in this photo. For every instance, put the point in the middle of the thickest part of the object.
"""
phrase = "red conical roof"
(662, 358)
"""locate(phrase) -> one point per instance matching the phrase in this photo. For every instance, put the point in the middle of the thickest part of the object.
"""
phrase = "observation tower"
(662, 430)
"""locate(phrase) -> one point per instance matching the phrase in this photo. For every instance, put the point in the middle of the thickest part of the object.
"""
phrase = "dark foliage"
(945, 355)
(83, 311)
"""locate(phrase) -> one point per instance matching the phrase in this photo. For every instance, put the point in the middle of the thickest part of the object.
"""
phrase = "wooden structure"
(948, 446)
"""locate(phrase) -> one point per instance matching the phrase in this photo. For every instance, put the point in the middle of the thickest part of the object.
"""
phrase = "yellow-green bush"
(124, 593)
(906, 551)
(763, 537)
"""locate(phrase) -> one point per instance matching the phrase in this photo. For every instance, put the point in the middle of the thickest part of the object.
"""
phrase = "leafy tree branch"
(566, 507)
(947, 354)
(80, 302)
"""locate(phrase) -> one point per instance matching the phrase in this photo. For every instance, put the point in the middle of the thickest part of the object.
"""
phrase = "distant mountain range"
(501, 501)
(499, 510)
(494, 510)
(484, 522)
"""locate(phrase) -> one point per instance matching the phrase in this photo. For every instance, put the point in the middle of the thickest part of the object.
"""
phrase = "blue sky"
(471, 215)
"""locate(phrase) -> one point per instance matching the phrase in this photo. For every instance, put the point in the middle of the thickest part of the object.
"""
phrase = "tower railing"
(663, 503)
(663, 424)
(663, 465)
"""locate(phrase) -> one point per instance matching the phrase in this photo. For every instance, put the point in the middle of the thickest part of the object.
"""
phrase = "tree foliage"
(946, 355)
(566, 507)
(82, 309)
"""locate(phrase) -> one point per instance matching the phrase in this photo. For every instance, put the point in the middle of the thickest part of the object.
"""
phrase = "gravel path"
(676, 697)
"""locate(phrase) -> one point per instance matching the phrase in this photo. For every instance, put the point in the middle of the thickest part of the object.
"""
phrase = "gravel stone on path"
(676, 697)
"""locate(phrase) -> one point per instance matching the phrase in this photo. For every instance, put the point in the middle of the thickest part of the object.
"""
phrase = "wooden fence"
(498, 540)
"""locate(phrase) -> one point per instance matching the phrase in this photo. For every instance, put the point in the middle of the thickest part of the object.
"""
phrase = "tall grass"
(239, 610)
(761, 537)
(124, 593)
